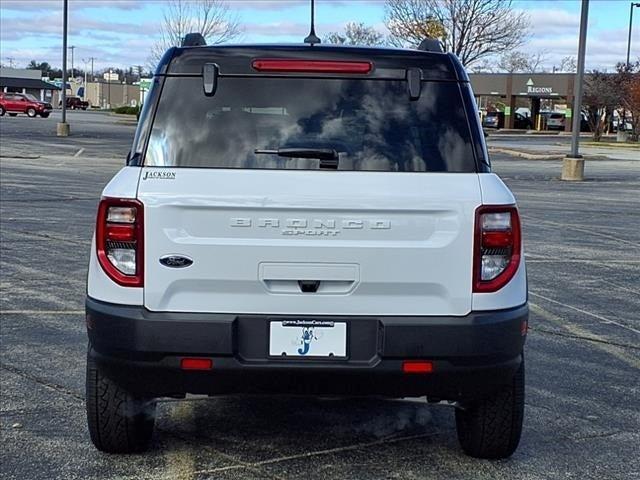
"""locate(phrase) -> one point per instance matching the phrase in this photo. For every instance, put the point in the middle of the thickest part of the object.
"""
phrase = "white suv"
(307, 219)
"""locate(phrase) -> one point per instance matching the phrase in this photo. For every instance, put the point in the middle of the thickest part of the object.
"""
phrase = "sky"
(120, 33)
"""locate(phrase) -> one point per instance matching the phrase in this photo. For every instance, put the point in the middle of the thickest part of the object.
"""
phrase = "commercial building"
(531, 91)
(19, 80)
(111, 94)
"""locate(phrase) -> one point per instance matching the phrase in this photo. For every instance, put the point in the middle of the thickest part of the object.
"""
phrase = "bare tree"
(567, 65)
(628, 81)
(212, 18)
(536, 61)
(512, 62)
(484, 66)
(518, 61)
(472, 29)
(602, 95)
(357, 34)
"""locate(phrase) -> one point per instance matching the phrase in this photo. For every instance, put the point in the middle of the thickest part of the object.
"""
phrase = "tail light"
(312, 66)
(497, 247)
(120, 240)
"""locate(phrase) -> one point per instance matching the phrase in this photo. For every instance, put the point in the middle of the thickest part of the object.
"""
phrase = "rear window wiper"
(328, 156)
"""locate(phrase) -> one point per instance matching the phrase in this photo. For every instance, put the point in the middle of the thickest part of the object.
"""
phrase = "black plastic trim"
(136, 330)
(142, 350)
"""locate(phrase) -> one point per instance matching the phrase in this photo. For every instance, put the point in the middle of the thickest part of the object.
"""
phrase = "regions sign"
(533, 90)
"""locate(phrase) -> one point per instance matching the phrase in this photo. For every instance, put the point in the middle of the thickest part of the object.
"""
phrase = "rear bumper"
(472, 355)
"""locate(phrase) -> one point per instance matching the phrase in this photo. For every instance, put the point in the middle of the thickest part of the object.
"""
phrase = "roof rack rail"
(431, 45)
(193, 40)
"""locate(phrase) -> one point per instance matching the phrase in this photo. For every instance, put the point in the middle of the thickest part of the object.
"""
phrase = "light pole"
(62, 128)
(630, 25)
(72, 48)
(573, 164)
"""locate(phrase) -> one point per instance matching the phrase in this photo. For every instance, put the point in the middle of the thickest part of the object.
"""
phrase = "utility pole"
(72, 48)
(630, 25)
(85, 78)
(109, 88)
(573, 164)
(62, 128)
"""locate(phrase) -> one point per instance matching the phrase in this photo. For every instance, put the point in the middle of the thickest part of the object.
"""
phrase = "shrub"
(127, 110)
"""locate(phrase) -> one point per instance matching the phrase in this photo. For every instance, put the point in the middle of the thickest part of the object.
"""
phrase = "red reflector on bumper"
(196, 364)
(417, 367)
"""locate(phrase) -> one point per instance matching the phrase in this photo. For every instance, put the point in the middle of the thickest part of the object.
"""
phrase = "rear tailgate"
(377, 243)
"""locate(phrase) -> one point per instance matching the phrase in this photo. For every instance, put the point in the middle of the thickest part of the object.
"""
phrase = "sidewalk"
(554, 150)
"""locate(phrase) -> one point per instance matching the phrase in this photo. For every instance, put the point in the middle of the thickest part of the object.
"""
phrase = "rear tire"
(31, 112)
(119, 421)
(2, 110)
(491, 428)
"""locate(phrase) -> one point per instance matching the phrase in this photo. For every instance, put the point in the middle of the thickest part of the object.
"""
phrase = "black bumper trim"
(142, 349)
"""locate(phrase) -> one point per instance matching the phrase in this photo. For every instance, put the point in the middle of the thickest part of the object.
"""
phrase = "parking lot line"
(328, 451)
(599, 342)
(41, 312)
(585, 312)
(582, 229)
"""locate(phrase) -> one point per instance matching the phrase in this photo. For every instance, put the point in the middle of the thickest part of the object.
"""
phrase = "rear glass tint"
(371, 124)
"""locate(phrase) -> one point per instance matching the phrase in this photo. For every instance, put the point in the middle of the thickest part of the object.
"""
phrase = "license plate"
(308, 338)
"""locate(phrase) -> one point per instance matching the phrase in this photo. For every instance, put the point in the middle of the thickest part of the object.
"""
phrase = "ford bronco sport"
(316, 220)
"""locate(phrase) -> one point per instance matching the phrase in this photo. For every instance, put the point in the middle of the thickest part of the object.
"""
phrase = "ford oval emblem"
(175, 261)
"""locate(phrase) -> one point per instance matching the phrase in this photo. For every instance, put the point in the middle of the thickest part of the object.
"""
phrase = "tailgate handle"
(321, 278)
(309, 286)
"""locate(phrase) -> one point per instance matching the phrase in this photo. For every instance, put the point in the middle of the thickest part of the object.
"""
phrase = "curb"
(542, 157)
(61, 158)
(528, 156)
(124, 118)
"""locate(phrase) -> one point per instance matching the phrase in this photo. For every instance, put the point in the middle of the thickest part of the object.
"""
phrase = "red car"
(14, 103)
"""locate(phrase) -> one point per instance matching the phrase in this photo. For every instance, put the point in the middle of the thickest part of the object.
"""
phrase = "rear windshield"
(371, 124)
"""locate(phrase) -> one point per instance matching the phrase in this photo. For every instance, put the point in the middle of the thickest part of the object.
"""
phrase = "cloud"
(14, 29)
(275, 5)
(40, 6)
(32, 29)
(550, 23)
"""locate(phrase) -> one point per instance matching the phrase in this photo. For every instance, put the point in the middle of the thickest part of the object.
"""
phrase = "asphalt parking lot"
(583, 352)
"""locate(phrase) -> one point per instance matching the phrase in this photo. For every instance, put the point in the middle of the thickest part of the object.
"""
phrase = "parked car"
(497, 120)
(493, 120)
(615, 122)
(522, 122)
(308, 222)
(15, 103)
(75, 103)
(555, 121)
